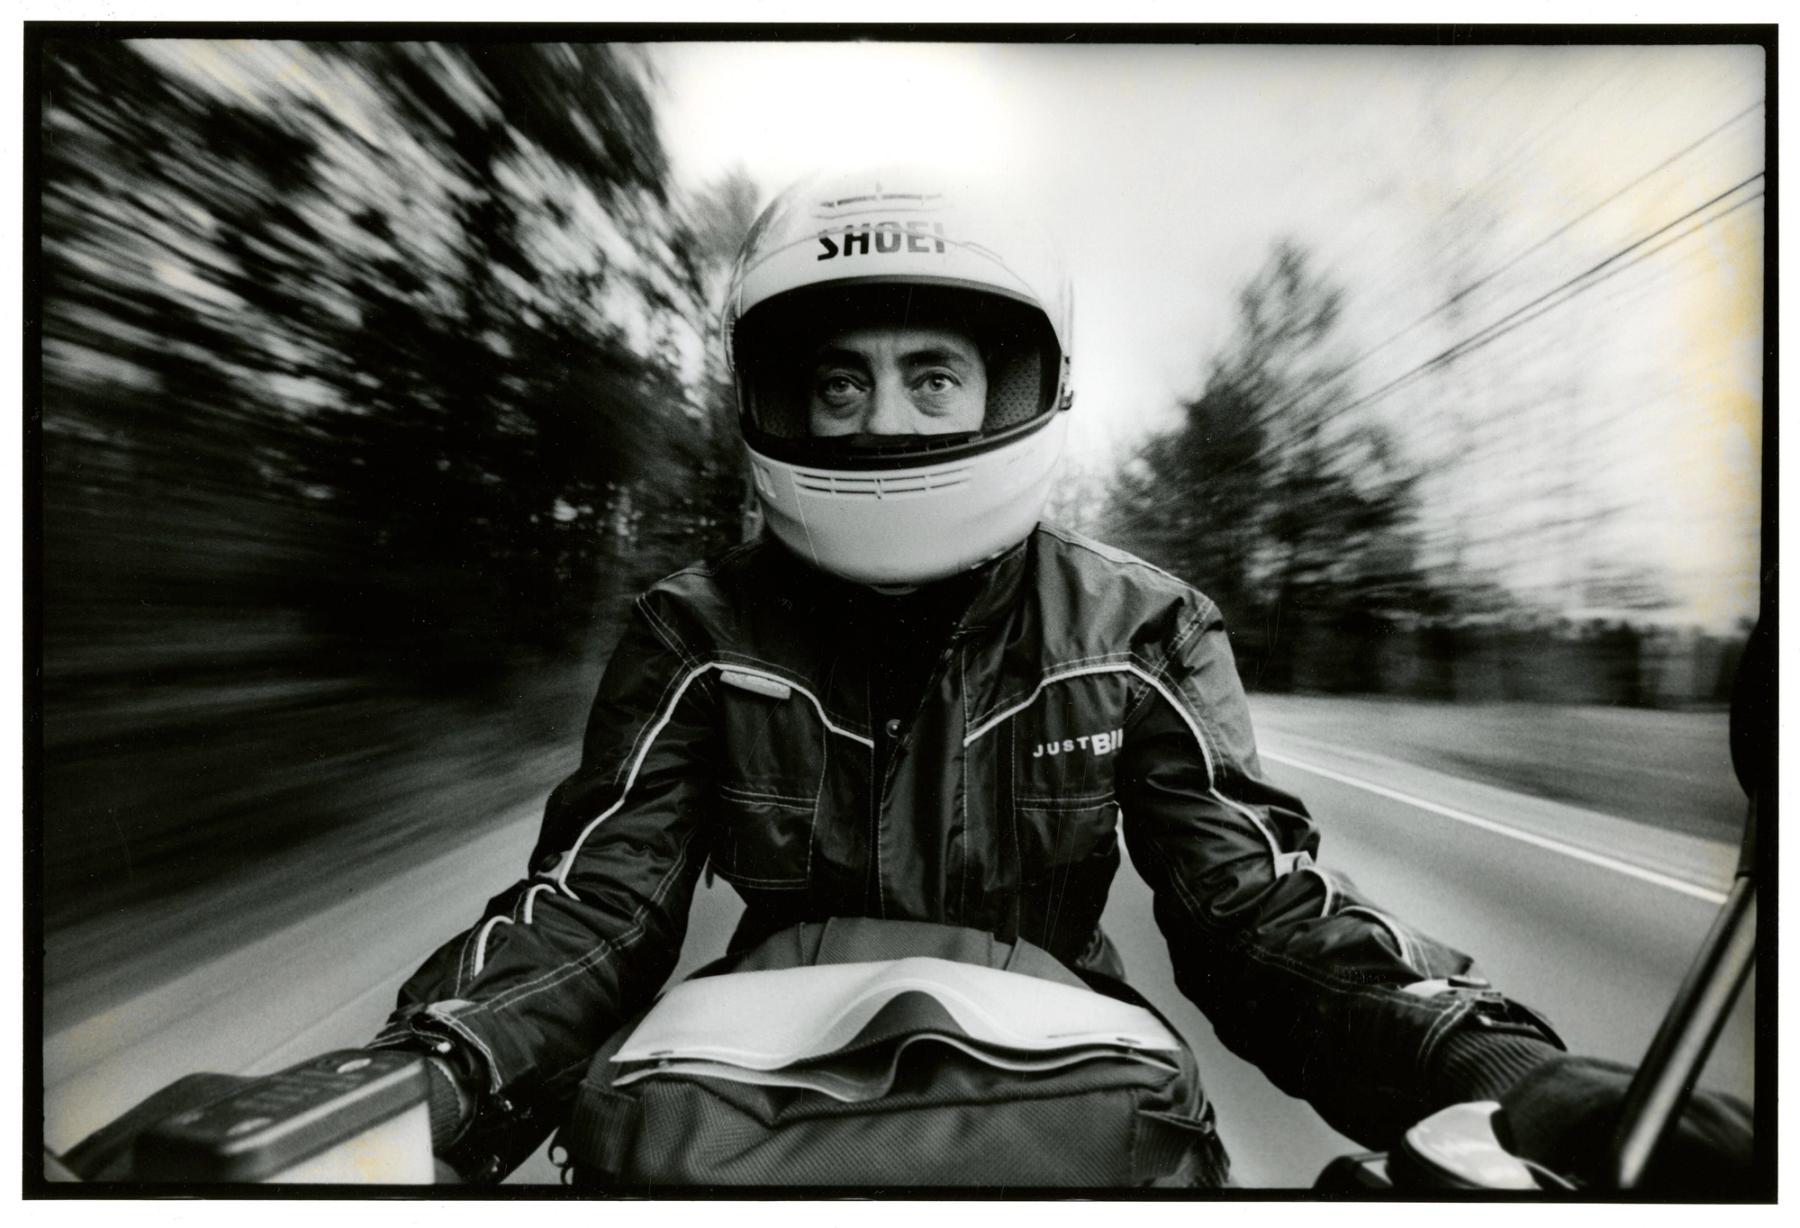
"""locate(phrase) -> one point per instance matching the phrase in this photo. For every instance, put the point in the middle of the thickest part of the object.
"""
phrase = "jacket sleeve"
(1339, 1003)
(522, 999)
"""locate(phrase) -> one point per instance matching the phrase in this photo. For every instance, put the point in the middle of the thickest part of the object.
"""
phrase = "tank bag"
(859, 1053)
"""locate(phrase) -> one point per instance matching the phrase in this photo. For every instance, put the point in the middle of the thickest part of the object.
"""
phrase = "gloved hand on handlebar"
(111, 1152)
(1563, 1113)
(449, 1102)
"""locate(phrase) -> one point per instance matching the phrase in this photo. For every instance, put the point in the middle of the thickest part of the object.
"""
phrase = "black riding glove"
(1563, 1115)
(450, 1105)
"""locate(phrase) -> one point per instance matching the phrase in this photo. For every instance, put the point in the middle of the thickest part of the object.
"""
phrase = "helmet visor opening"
(776, 345)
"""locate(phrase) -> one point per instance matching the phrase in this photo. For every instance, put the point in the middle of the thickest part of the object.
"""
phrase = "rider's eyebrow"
(937, 356)
(837, 355)
(927, 354)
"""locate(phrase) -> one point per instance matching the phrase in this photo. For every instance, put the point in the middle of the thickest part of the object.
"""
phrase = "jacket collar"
(984, 595)
(997, 586)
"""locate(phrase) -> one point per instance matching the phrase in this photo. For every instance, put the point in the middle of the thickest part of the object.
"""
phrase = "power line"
(1517, 318)
(1537, 307)
(1324, 379)
(1560, 119)
(1625, 298)
(1594, 275)
(1327, 378)
(1483, 280)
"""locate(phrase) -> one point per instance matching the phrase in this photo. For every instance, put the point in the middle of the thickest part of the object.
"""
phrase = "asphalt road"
(1589, 918)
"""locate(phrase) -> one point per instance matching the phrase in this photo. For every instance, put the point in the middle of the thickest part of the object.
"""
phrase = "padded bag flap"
(770, 1019)
(867, 1065)
(855, 940)
(940, 1116)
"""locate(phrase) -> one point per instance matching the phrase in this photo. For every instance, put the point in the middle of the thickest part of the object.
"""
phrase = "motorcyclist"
(911, 699)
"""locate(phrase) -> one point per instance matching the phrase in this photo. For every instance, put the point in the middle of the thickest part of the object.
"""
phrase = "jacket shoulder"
(1095, 602)
(1142, 584)
(708, 576)
(720, 600)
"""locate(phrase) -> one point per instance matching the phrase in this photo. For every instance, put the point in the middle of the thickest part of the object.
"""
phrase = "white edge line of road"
(1501, 829)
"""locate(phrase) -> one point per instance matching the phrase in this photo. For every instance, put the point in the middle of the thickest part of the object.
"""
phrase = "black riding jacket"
(968, 756)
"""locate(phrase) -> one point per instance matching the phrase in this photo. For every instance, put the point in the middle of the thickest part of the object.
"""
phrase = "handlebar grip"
(106, 1154)
(352, 1116)
(1456, 1148)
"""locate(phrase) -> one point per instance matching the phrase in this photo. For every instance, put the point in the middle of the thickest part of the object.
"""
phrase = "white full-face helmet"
(899, 246)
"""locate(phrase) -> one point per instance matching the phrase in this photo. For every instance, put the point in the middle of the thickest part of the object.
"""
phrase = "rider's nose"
(890, 412)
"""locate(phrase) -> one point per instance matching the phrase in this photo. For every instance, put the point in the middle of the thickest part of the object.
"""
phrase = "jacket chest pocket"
(1064, 802)
(768, 795)
(1064, 751)
(1055, 836)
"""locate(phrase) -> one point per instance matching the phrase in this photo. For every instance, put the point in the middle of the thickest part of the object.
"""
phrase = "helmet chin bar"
(897, 527)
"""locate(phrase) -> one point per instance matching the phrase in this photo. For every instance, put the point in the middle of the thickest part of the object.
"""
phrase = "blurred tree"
(428, 305)
(369, 371)
(1079, 497)
(714, 501)
(1274, 499)
(1621, 586)
(722, 217)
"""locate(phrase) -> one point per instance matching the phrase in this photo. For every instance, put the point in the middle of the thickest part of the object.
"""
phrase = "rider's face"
(897, 380)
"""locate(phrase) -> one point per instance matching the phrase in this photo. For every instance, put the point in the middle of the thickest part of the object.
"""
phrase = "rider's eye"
(837, 390)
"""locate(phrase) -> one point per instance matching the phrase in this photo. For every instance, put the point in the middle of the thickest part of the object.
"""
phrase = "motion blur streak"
(375, 382)
(378, 378)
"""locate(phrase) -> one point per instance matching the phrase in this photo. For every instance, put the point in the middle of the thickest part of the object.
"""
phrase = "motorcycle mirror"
(1682, 1043)
(1753, 720)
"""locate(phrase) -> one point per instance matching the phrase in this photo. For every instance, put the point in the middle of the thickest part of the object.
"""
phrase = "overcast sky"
(1411, 172)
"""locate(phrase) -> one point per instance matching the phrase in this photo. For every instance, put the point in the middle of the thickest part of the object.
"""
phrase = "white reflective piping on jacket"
(562, 871)
(1120, 667)
(481, 941)
(1330, 890)
(1284, 862)
(1407, 955)
(1125, 667)
(529, 896)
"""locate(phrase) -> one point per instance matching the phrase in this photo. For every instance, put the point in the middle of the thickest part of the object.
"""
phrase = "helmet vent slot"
(877, 486)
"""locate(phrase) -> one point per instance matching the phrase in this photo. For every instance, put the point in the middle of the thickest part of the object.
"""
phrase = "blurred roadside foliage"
(375, 382)
(1301, 514)
(1283, 509)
